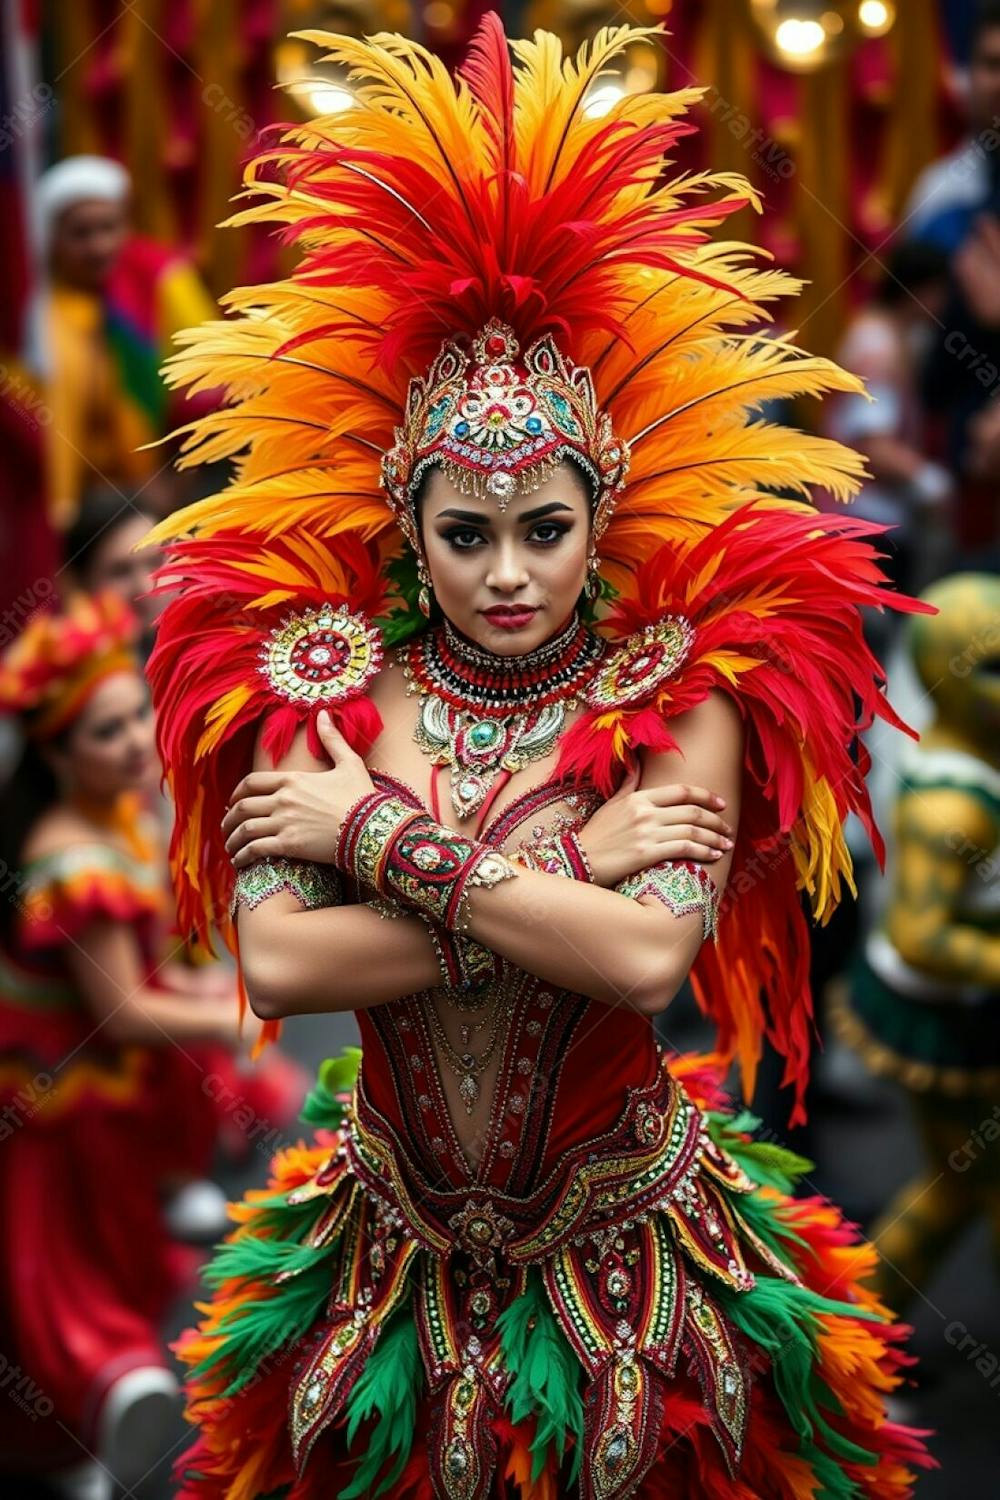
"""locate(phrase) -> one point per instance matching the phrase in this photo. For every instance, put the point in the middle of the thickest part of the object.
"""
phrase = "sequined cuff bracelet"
(386, 909)
(313, 885)
(465, 964)
(403, 853)
(683, 888)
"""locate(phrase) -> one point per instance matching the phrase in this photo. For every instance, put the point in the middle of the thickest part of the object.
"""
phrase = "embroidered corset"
(596, 1174)
(564, 1064)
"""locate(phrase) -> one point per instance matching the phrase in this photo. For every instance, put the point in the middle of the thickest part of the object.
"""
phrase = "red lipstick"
(510, 616)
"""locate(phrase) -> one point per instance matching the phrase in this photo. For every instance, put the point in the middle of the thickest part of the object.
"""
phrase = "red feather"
(785, 589)
(207, 658)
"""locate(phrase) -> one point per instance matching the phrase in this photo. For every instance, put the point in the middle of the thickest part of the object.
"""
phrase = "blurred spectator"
(884, 344)
(101, 555)
(105, 1121)
(97, 332)
(955, 205)
(923, 1007)
(951, 191)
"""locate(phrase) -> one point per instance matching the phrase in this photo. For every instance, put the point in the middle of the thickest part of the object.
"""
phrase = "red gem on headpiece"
(496, 344)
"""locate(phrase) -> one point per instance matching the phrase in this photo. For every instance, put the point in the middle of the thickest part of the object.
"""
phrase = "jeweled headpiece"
(498, 422)
(57, 661)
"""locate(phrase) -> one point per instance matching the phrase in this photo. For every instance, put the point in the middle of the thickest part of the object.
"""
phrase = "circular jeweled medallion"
(325, 654)
(641, 663)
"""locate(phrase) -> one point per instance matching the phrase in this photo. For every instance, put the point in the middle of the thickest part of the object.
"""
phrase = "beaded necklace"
(482, 714)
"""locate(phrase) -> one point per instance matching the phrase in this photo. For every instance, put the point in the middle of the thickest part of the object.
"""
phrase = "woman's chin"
(503, 640)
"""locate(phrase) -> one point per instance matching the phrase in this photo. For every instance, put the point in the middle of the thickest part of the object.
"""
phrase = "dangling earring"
(593, 585)
(424, 596)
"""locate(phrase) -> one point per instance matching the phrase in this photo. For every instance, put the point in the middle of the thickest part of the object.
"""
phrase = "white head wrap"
(74, 180)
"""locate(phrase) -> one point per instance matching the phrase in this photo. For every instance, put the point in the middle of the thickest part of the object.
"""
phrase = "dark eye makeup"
(544, 533)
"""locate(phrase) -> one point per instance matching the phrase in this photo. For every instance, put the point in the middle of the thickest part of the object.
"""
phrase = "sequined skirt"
(627, 1327)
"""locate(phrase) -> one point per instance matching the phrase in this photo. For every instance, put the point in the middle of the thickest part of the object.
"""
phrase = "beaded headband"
(499, 422)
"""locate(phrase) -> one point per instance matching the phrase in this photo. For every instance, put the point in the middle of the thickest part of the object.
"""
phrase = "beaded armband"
(683, 888)
(311, 884)
(563, 854)
(404, 854)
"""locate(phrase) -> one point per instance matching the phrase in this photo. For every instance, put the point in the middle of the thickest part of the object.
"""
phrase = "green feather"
(402, 622)
(780, 1318)
(252, 1259)
(284, 1310)
(389, 1385)
(765, 1219)
(546, 1376)
(257, 1329)
(336, 1075)
(766, 1163)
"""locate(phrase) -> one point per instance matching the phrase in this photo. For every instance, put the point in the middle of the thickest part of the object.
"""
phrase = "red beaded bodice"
(565, 1066)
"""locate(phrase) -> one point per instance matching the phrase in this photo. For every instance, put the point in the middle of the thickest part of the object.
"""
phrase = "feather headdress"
(430, 208)
(50, 670)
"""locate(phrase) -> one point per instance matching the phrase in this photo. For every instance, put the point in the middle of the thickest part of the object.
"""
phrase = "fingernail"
(719, 801)
(728, 843)
(716, 853)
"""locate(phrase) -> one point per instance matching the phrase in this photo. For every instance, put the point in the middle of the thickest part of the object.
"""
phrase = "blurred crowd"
(928, 348)
(126, 1084)
(120, 1053)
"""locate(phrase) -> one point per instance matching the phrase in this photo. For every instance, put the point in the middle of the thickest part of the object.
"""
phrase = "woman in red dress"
(103, 1107)
(517, 700)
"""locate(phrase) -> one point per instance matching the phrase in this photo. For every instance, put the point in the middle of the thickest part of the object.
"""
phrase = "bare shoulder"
(57, 829)
(709, 752)
(715, 722)
(389, 694)
(388, 689)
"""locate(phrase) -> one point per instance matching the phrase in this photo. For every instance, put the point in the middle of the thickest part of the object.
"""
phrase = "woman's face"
(113, 565)
(110, 747)
(508, 579)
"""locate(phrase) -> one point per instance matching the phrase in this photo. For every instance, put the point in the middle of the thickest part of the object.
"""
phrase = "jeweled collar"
(467, 676)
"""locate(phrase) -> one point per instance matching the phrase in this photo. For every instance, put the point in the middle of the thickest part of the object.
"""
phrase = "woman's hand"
(296, 814)
(636, 828)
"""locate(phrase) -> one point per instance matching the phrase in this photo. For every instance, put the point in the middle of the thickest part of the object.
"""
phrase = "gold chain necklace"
(467, 1068)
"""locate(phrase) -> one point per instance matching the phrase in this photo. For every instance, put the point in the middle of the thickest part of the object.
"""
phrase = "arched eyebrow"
(479, 518)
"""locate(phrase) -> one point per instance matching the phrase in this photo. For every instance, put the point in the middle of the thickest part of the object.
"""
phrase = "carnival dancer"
(254, 1099)
(497, 657)
(103, 1110)
(921, 1007)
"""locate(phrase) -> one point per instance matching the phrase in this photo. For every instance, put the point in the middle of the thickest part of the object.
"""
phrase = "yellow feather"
(220, 716)
(550, 123)
(730, 664)
(410, 103)
(303, 429)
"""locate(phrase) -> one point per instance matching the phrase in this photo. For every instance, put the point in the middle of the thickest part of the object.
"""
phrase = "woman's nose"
(507, 571)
